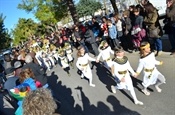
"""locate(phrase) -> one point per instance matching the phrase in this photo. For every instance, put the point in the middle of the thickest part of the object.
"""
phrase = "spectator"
(151, 20)
(118, 24)
(39, 102)
(18, 67)
(37, 70)
(90, 38)
(126, 40)
(12, 80)
(170, 13)
(137, 27)
(7, 59)
(114, 42)
(104, 29)
(79, 37)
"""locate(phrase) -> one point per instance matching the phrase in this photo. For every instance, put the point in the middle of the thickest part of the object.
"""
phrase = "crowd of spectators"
(29, 62)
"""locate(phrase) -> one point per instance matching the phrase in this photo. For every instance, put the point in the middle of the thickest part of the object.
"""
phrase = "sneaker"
(158, 89)
(138, 102)
(92, 85)
(146, 92)
(82, 76)
(113, 89)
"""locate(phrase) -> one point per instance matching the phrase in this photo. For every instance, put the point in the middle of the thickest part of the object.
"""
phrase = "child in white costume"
(64, 61)
(120, 70)
(69, 53)
(83, 65)
(105, 53)
(147, 63)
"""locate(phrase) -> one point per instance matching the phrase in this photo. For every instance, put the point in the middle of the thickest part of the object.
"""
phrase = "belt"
(63, 59)
(69, 53)
(83, 65)
(108, 59)
(149, 70)
(122, 72)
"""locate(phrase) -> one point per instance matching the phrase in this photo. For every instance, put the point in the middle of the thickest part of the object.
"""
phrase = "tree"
(87, 7)
(72, 10)
(47, 11)
(114, 6)
(25, 29)
(50, 10)
(5, 39)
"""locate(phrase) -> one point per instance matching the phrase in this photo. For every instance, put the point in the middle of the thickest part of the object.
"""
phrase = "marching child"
(64, 61)
(69, 53)
(120, 70)
(147, 62)
(83, 65)
(105, 53)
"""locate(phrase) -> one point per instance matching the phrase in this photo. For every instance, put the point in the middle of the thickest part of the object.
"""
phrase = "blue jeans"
(172, 38)
(85, 47)
(158, 44)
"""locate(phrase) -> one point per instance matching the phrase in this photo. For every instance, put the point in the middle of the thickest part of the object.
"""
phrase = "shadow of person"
(88, 108)
(63, 94)
(118, 108)
(104, 75)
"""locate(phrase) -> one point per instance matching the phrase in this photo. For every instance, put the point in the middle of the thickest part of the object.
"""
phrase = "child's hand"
(161, 62)
(97, 61)
(123, 79)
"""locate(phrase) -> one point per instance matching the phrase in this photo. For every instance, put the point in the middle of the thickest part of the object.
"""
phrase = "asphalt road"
(78, 98)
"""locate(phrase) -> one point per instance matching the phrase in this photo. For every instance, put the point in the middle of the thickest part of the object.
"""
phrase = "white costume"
(69, 53)
(121, 70)
(83, 65)
(151, 74)
(106, 56)
(64, 61)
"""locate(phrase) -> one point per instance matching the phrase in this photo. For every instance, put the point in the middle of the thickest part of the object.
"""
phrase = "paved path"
(78, 98)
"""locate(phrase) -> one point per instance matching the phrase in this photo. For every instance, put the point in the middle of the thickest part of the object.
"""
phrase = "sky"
(9, 9)
(12, 13)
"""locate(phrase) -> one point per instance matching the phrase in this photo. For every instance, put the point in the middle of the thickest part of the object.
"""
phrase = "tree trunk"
(72, 10)
(114, 6)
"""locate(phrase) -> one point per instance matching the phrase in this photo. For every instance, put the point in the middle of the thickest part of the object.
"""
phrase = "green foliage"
(46, 10)
(24, 30)
(5, 39)
(87, 7)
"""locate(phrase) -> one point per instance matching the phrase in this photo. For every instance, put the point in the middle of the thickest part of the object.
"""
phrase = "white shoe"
(92, 85)
(82, 76)
(113, 89)
(158, 89)
(138, 102)
(146, 92)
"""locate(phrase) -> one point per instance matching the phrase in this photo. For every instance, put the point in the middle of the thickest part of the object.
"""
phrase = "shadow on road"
(102, 108)
(68, 106)
(104, 75)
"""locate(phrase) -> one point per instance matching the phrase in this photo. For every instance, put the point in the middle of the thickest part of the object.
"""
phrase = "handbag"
(135, 30)
(153, 33)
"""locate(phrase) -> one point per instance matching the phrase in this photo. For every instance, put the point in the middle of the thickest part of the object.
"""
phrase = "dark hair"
(136, 9)
(149, 8)
(7, 57)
